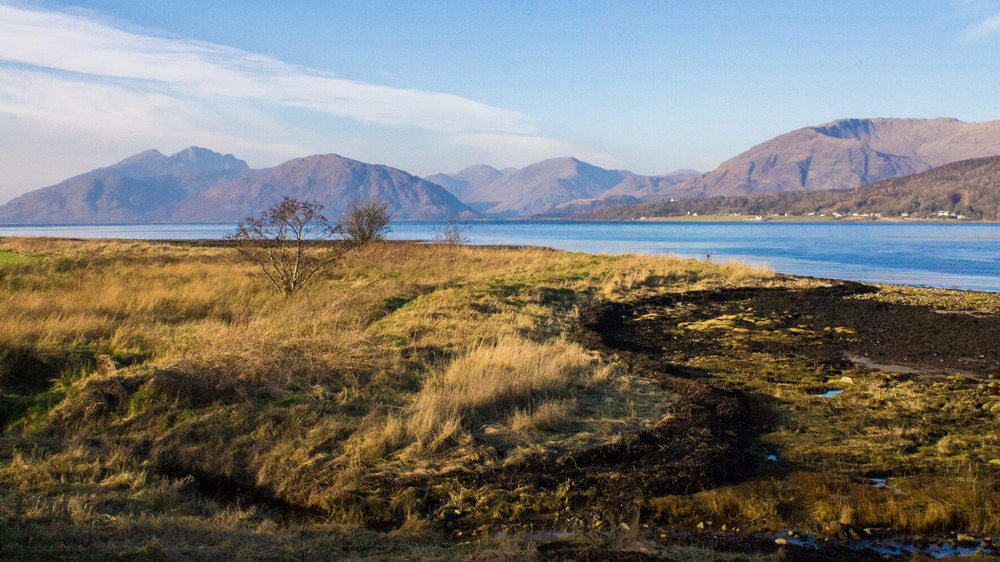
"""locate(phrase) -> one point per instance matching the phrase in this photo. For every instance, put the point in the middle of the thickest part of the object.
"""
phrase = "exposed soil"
(878, 334)
(706, 442)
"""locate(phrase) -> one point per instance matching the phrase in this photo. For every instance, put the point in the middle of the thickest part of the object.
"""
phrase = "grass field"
(158, 401)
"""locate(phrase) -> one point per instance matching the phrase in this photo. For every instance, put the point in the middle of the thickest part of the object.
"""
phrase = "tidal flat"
(158, 401)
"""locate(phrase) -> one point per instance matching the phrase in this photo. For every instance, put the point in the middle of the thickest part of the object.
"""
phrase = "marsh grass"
(168, 365)
(494, 381)
(174, 401)
(934, 440)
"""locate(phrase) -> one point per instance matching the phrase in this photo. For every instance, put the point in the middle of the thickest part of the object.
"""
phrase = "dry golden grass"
(493, 381)
(551, 415)
(144, 363)
(406, 359)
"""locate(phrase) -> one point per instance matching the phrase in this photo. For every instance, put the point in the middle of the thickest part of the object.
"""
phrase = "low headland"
(158, 401)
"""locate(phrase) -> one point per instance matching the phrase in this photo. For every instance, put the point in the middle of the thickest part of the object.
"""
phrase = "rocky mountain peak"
(205, 159)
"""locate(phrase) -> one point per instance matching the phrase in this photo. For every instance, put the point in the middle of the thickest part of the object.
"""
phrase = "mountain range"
(197, 184)
(552, 188)
(845, 154)
(966, 189)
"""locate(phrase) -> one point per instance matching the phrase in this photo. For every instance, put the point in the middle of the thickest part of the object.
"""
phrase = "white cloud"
(86, 46)
(54, 127)
(985, 29)
(87, 92)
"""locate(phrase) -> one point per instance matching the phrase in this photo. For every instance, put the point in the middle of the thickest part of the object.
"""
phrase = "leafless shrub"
(365, 221)
(452, 233)
(285, 243)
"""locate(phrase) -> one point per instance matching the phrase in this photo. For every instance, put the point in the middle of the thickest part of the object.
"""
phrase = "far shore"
(796, 218)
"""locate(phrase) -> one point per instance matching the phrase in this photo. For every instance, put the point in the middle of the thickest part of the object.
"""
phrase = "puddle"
(828, 394)
(972, 313)
(880, 483)
(893, 547)
(904, 369)
(549, 535)
(884, 367)
(772, 457)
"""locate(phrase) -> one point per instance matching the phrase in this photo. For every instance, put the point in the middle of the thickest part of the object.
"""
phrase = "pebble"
(963, 538)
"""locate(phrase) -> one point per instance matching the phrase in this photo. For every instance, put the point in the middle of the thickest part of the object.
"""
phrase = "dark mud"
(707, 442)
(736, 546)
(842, 320)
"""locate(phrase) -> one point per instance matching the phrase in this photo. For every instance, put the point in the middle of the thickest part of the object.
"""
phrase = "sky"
(434, 86)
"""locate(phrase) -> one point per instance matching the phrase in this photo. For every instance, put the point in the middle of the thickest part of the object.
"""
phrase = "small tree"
(364, 221)
(285, 243)
(452, 234)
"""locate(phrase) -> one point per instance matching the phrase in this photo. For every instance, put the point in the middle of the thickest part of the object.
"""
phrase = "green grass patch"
(8, 257)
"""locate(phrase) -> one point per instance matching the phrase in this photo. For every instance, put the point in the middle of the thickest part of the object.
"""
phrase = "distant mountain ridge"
(552, 188)
(199, 185)
(967, 188)
(845, 154)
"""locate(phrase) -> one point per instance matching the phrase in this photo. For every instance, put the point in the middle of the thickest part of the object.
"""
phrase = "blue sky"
(437, 86)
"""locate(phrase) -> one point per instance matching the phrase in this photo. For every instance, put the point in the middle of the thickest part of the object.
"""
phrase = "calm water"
(961, 256)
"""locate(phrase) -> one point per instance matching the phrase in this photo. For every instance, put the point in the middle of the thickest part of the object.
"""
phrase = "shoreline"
(718, 258)
(803, 218)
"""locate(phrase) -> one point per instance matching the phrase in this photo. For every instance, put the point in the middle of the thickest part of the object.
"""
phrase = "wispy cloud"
(989, 27)
(94, 91)
(185, 67)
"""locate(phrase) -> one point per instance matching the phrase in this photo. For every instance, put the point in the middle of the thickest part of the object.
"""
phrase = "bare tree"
(286, 243)
(364, 221)
(452, 233)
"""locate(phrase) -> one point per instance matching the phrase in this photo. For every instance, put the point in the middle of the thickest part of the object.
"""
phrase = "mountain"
(331, 180)
(146, 187)
(197, 184)
(552, 188)
(970, 188)
(632, 190)
(650, 187)
(467, 179)
(541, 186)
(845, 154)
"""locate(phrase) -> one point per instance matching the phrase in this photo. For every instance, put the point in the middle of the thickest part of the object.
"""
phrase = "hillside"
(198, 185)
(970, 188)
(845, 154)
